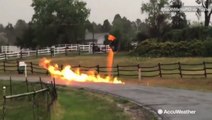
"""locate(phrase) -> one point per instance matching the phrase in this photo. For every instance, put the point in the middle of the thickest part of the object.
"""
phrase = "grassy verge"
(204, 85)
(78, 104)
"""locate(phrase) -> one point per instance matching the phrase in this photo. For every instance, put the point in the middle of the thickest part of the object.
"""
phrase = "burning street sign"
(111, 38)
(113, 42)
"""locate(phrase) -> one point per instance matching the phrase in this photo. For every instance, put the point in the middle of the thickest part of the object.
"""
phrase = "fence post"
(93, 48)
(17, 65)
(205, 69)
(36, 52)
(11, 90)
(180, 70)
(97, 69)
(47, 72)
(21, 54)
(41, 84)
(52, 52)
(33, 104)
(54, 83)
(61, 67)
(27, 84)
(5, 56)
(159, 68)
(55, 90)
(117, 67)
(105, 48)
(66, 51)
(47, 105)
(4, 102)
(139, 72)
(31, 66)
(78, 48)
(4, 65)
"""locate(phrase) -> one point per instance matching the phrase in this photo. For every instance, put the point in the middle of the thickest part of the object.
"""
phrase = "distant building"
(10, 49)
(98, 38)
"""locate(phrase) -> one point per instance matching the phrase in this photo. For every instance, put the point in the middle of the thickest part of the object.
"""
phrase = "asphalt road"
(198, 104)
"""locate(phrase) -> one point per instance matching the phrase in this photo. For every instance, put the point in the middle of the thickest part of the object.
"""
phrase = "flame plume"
(67, 73)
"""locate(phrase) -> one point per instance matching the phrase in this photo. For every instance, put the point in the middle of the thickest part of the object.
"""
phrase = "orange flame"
(68, 74)
(110, 61)
(111, 38)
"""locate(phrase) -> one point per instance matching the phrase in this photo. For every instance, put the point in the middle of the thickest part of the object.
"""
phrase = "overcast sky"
(12, 10)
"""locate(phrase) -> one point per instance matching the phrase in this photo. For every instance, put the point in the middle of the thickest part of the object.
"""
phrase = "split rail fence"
(37, 98)
(181, 70)
(78, 49)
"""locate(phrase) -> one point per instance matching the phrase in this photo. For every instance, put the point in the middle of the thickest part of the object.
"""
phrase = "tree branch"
(203, 5)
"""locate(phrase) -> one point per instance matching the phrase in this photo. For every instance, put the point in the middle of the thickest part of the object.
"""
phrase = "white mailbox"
(22, 69)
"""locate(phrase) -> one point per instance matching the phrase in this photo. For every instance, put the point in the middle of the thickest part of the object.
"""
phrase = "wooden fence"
(47, 91)
(56, 51)
(180, 70)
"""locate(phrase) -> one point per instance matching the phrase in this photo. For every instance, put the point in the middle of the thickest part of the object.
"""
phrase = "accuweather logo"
(176, 112)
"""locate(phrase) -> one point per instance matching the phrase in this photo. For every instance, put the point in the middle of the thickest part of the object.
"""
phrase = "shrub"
(189, 34)
(153, 48)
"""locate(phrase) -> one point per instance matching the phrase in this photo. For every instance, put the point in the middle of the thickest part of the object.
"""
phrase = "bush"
(153, 48)
(208, 47)
(189, 34)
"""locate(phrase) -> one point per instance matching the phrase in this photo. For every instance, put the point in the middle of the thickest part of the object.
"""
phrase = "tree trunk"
(207, 20)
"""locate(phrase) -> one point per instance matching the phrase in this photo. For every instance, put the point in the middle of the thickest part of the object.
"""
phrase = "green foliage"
(124, 30)
(179, 19)
(141, 36)
(57, 22)
(106, 26)
(208, 47)
(188, 34)
(27, 39)
(154, 48)
(157, 20)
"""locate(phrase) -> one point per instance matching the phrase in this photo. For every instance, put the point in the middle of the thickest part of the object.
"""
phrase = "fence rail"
(55, 51)
(159, 70)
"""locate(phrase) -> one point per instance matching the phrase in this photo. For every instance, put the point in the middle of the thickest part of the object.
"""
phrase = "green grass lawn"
(80, 105)
(121, 59)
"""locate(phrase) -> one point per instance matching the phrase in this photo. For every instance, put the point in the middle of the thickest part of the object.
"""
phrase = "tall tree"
(3, 38)
(106, 26)
(10, 32)
(124, 30)
(20, 27)
(59, 21)
(96, 28)
(205, 4)
(27, 40)
(1, 28)
(179, 20)
(157, 20)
